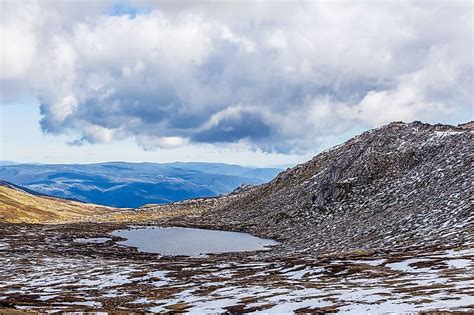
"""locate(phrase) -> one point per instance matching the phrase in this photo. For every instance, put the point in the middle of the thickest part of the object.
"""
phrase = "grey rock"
(403, 184)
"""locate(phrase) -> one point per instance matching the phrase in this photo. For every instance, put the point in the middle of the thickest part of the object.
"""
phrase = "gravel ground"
(44, 268)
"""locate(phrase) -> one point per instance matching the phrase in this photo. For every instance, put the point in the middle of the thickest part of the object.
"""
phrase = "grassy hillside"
(17, 206)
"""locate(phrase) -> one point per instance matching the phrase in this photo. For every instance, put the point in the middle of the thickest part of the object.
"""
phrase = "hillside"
(121, 184)
(399, 185)
(403, 184)
(382, 223)
(20, 206)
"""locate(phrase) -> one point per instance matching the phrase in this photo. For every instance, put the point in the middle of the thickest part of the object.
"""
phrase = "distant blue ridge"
(131, 185)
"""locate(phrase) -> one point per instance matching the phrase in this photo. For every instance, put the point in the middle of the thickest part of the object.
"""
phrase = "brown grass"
(17, 206)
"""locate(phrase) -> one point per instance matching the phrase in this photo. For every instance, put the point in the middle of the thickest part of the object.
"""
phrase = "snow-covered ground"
(441, 280)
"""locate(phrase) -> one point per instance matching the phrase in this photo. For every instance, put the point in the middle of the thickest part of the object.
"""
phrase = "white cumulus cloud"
(275, 76)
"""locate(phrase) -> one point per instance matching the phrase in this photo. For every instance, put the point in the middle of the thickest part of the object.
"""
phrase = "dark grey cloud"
(243, 125)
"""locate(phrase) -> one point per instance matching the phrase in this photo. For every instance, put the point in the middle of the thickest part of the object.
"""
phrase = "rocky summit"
(403, 184)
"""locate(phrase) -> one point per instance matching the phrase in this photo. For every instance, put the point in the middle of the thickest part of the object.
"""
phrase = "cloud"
(233, 125)
(277, 77)
(152, 143)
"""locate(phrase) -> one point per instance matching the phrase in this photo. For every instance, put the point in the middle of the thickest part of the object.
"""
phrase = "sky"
(262, 83)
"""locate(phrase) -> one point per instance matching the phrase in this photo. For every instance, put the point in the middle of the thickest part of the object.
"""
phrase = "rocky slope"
(403, 184)
(399, 185)
(23, 206)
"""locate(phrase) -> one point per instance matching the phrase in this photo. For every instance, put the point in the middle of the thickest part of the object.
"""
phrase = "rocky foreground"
(382, 223)
(82, 267)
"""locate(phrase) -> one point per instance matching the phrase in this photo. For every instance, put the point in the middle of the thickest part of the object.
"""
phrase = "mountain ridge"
(396, 186)
(372, 181)
(122, 184)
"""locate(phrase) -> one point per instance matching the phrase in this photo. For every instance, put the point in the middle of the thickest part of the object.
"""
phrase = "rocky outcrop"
(399, 185)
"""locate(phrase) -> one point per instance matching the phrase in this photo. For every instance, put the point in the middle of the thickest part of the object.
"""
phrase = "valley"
(236, 157)
(381, 223)
(131, 185)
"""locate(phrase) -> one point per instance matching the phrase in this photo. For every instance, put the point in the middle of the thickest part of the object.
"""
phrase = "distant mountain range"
(121, 184)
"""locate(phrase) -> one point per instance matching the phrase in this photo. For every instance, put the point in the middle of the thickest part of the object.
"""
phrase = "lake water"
(174, 241)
